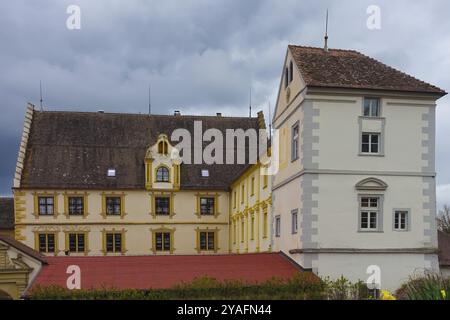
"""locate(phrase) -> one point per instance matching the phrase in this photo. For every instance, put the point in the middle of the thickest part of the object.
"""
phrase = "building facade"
(357, 151)
(113, 184)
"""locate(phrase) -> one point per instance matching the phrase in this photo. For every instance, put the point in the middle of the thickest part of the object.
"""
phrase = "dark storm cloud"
(199, 56)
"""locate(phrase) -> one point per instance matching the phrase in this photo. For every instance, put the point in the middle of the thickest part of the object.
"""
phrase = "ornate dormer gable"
(162, 165)
(371, 184)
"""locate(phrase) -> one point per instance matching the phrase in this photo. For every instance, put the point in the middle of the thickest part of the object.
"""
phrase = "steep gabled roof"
(350, 69)
(23, 248)
(6, 214)
(74, 150)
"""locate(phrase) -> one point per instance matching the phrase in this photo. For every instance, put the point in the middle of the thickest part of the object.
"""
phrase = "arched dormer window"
(163, 147)
(162, 174)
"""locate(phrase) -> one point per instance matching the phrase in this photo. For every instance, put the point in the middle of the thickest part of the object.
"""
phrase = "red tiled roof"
(144, 272)
(353, 70)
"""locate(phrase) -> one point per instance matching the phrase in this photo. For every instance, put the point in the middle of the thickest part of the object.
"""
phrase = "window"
(370, 143)
(252, 228)
(46, 206)
(114, 242)
(277, 226)
(252, 186)
(242, 230)
(113, 206)
(207, 240)
(401, 220)
(295, 139)
(162, 240)
(163, 147)
(291, 72)
(77, 242)
(162, 174)
(111, 172)
(162, 205)
(205, 173)
(207, 206)
(371, 107)
(294, 221)
(234, 199)
(47, 243)
(242, 194)
(369, 207)
(76, 206)
(234, 231)
(286, 77)
(265, 223)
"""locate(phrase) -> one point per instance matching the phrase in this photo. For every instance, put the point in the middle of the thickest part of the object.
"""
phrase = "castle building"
(355, 192)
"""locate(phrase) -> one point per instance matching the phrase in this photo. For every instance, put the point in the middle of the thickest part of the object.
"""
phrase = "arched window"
(162, 174)
(163, 147)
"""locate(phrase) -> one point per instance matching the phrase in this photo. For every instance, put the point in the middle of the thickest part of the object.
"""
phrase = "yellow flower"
(386, 295)
(444, 294)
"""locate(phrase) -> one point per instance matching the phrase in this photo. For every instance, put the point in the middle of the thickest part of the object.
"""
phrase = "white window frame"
(294, 221)
(277, 226)
(295, 139)
(370, 211)
(371, 134)
(372, 107)
(407, 225)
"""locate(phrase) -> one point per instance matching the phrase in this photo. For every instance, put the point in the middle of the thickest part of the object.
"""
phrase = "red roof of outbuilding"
(144, 272)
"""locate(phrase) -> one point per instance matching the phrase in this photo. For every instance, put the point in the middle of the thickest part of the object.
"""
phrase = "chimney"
(219, 114)
(261, 120)
(177, 113)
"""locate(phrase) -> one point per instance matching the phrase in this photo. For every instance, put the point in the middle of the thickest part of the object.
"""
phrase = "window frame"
(277, 226)
(369, 210)
(114, 234)
(407, 212)
(295, 140)
(114, 206)
(294, 221)
(46, 234)
(77, 234)
(167, 200)
(370, 143)
(370, 115)
(165, 174)
(47, 197)
(208, 199)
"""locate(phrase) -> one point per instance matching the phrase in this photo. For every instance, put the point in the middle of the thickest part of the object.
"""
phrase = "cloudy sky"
(200, 56)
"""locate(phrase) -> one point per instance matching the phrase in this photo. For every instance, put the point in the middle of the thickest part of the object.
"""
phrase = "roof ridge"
(329, 49)
(146, 115)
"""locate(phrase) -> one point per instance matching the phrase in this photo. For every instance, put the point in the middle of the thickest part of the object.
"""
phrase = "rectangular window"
(162, 205)
(162, 241)
(46, 206)
(234, 199)
(113, 242)
(47, 243)
(277, 226)
(252, 228)
(265, 224)
(370, 143)
(401, 220)
(252, 186)
(286, 77)
(294, 142)
(207, 205)
(77, 242)
(207, 240)
(234, 232)
(76, 206)
(294, 221)
(242, 230)
(113, 206)
(369, 207)
(372, 107)
(242, 194)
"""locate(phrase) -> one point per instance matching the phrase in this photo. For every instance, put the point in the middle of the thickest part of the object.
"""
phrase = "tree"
(443, 220)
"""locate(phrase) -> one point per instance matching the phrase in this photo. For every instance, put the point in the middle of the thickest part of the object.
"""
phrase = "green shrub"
(430, 286)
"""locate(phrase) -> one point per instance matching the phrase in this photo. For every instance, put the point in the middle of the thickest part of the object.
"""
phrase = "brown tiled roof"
(145, 272)
(75, 150)
(23, 248)
(352, 70)
(6, 214)
(444, 248)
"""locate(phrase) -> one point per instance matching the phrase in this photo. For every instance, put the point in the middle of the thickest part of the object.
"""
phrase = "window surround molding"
(216, 239)
(36, 241)
(113, 194)
(47, 194)
(408, 217)
(76, 194)
(122, 232)
(163, 229)
(199, 196)
(381, 133)
(294, 213)
(380, 197)
(162, 194)
(371, 184)
(86, 241)
(277, 226)
(296, 156)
